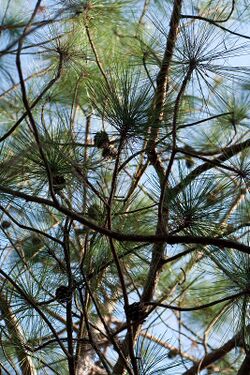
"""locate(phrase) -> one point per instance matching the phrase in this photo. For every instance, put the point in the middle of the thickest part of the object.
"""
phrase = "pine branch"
(200, 307)
(172, 349)
(17, 337)
(227, 153)
(35, 102)
(215, 355)
(188, 239)
(34, 304)
(215, 23)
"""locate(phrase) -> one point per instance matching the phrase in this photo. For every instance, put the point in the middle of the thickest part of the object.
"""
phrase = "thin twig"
(212, 22)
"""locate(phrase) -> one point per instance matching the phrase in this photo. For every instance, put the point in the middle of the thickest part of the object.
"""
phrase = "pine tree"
(124, 191)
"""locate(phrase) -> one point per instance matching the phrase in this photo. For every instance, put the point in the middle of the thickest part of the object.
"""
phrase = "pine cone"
(63, 294)
(59, 183)
(5, 224)
(135, 312)
(101, 140)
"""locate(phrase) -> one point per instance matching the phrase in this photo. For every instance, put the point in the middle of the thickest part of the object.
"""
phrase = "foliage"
(124, 192)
